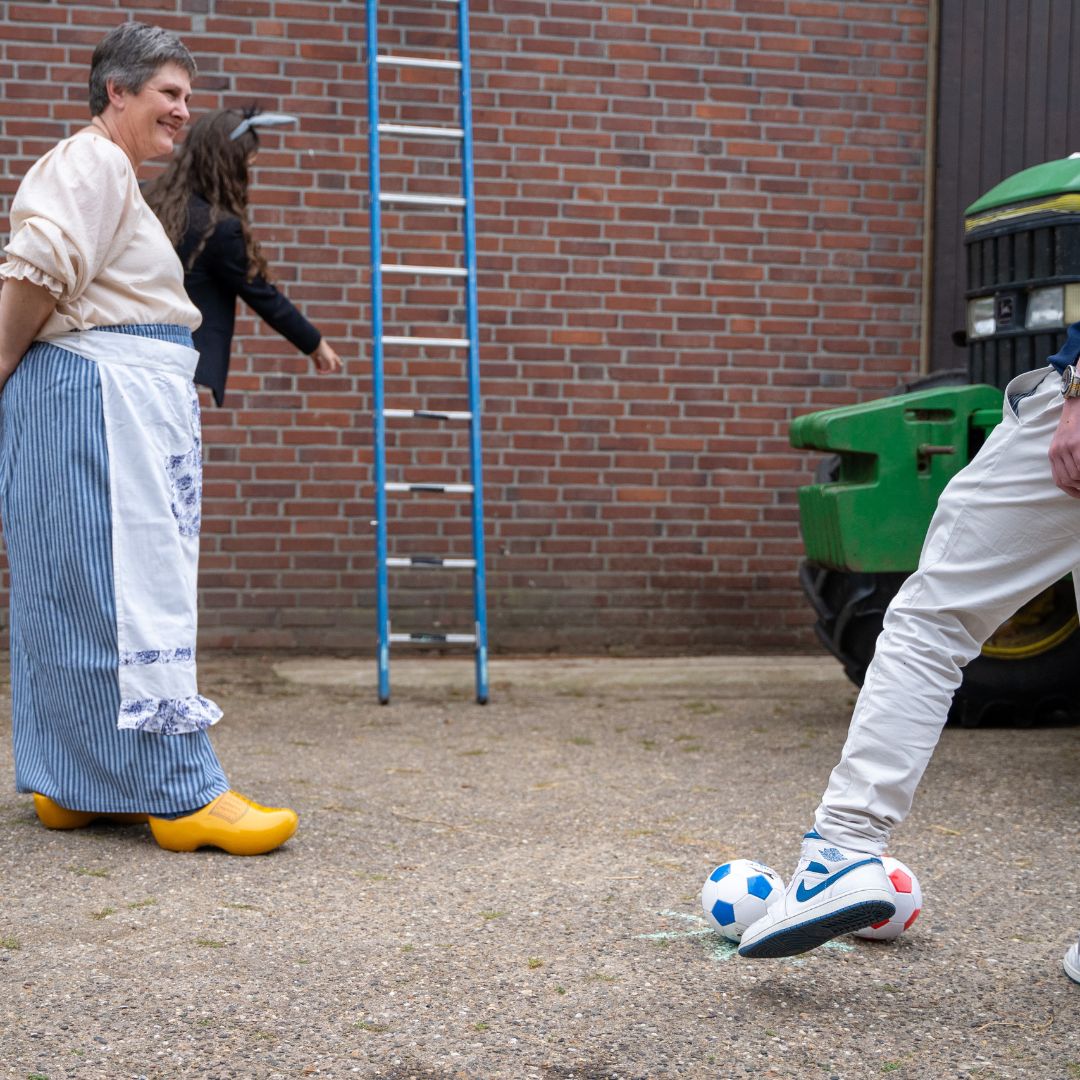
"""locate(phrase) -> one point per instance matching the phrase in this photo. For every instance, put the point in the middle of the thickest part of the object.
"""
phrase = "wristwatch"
(1070, 382)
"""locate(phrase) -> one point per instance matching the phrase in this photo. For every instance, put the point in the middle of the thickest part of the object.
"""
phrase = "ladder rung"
(407, 268)
(427, 414)
(407, 339)
(421, 131)
(420, 200)
(451, 489)
(430, 560)
(418, 62)
(448, 639)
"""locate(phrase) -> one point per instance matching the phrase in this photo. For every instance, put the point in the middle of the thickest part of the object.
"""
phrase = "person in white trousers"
(1006, 527)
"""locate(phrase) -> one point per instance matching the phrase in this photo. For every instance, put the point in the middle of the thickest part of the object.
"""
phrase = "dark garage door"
(1008, 97)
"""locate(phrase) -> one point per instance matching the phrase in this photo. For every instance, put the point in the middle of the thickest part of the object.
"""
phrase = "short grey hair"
(130, 57)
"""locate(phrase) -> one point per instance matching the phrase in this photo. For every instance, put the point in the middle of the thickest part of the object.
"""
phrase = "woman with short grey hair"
(130, 57)
(101, 482)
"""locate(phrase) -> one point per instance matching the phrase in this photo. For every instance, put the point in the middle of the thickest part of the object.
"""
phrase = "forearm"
(24, 310)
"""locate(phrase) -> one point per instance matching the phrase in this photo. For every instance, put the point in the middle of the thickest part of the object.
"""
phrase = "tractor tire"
(1024, 676)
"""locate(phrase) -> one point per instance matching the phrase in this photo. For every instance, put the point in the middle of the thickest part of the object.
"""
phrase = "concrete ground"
(512, 891)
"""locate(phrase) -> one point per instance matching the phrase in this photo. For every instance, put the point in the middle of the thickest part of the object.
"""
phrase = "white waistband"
(130, 350)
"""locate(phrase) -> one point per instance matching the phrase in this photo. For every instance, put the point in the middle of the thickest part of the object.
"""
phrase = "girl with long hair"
(201, 200)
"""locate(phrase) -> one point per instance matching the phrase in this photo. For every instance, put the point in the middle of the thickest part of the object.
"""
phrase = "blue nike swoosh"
(802, 894)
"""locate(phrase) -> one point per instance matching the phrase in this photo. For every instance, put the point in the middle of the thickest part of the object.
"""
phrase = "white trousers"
(1002, 532)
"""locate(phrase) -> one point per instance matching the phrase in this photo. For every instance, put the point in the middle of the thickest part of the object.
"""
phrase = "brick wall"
(696, 219)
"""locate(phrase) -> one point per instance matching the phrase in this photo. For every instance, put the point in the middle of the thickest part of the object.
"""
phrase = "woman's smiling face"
(147, 123)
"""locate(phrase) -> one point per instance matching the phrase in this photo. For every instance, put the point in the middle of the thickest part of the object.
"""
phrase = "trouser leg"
(1002, 532)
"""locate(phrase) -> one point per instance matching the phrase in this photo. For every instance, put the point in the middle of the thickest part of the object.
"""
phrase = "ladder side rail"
(473, 361)
(382, 604)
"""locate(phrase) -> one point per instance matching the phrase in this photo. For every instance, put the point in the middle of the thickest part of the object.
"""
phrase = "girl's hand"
(325, 359)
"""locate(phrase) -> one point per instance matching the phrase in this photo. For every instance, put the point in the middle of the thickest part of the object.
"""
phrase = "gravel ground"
(512, 891)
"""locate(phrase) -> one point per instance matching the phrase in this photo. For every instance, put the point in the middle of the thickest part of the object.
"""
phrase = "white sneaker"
(832, 892)
(1071, 963)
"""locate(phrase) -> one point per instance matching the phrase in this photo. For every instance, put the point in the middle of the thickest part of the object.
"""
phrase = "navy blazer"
(217, 277)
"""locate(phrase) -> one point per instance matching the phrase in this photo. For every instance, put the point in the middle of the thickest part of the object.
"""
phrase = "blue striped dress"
(55, 508)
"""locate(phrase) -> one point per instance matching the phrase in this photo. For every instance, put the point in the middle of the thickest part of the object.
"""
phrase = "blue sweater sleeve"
(1070, 351)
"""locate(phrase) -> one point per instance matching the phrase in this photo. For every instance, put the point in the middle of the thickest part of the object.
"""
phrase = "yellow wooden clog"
(231, 822)
(54, 816)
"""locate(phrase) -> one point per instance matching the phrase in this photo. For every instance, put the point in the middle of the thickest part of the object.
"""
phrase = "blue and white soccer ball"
(738, 893)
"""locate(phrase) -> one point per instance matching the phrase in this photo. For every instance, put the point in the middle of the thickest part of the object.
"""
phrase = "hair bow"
(254, 120)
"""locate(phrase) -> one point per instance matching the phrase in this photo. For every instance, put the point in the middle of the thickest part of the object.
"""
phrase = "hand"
(325, 359)
(1065, 449)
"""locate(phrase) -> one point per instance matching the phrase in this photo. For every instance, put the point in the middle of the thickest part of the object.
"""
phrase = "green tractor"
(864, 521)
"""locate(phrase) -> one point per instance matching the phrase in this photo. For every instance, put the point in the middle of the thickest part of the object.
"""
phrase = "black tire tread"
(850, 608)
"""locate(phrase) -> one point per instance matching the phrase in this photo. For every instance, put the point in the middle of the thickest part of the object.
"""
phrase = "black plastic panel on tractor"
(997, 360)
(1040, 255)
(1009, 263)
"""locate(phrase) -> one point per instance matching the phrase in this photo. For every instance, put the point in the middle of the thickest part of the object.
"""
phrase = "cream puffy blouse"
(81, 228)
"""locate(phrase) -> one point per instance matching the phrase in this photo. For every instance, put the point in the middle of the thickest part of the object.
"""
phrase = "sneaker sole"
(810, 933)
(1071, 964)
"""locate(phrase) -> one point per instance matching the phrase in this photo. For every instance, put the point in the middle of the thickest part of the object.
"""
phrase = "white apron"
(152, 430)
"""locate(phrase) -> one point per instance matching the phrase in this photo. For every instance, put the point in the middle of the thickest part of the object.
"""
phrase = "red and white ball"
(907, 895)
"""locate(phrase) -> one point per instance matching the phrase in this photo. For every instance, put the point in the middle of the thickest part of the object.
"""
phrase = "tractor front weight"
(894, 458)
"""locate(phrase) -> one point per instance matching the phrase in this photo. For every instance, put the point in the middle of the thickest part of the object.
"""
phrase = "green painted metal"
(1051, 178)
(896, 456)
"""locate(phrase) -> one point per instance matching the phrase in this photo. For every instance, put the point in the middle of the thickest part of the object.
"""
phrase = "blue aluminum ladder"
(465, 275)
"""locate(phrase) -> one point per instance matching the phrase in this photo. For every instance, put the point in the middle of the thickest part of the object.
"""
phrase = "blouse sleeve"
(72, 214)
